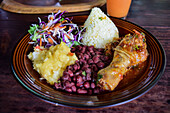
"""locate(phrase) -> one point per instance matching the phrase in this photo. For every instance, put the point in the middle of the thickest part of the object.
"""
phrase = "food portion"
(51, 63)
(130, 52)
(57, 29)
(81, 77)
(84, 60)
(100, 30)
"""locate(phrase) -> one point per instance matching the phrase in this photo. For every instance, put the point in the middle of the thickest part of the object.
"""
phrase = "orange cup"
(118, 8)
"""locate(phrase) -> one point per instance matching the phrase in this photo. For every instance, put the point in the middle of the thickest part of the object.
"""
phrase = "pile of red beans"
(81, 77)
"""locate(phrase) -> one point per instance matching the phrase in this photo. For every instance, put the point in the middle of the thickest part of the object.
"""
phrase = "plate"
(29, 78)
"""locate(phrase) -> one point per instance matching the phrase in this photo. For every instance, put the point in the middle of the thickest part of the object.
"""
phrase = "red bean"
(70, 67)
(90, 61)
(95, 49)
(74, 78)
(96, 59)
(75, 67)
(70, 73)
(88, 53)
(73, 50)
(88, 70)
(86, 85)
(86, 56)
(84, 78)
(77, 61)
(65, 77)
(98, 53)
(72, 83)
(104, 58)
(69, 79)
(83, 49)
(67, 84)
(68, 89)
(78, 47)
(79, 84)
(80, 56)
(78, 73)
(100, 64)
(57, 85)
(85, 67)
(65, 73)
(94, 67)
(90, 48)
(93, 54)
(74, 88)
(88, 76)
(78, 65)
(100, 50)
(79, 79)
(93, 85)
(81, 91)
(80, 61)
(83, 61)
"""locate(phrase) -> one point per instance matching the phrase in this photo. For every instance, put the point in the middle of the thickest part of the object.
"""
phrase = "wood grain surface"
(153, 15)
(48, 6)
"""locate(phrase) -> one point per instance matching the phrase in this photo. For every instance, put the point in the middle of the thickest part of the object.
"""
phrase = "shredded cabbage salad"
(57, 29)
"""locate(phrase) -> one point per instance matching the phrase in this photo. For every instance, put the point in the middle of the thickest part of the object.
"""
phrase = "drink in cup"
(118, 8)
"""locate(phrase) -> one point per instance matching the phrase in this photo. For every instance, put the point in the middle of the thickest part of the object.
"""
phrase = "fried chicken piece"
(130, 51)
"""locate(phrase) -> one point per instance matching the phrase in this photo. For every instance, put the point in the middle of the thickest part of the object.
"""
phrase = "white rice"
(100, 30)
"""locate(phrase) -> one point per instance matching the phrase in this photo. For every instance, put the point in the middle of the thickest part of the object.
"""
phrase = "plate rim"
(145, 90)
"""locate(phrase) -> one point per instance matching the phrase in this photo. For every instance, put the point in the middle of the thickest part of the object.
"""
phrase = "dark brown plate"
(29, 78)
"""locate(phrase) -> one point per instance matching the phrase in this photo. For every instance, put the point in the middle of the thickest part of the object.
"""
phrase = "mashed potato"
(100, 30)
(51, 63)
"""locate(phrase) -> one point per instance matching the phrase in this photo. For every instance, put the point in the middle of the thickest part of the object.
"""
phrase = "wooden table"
(153, 15)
